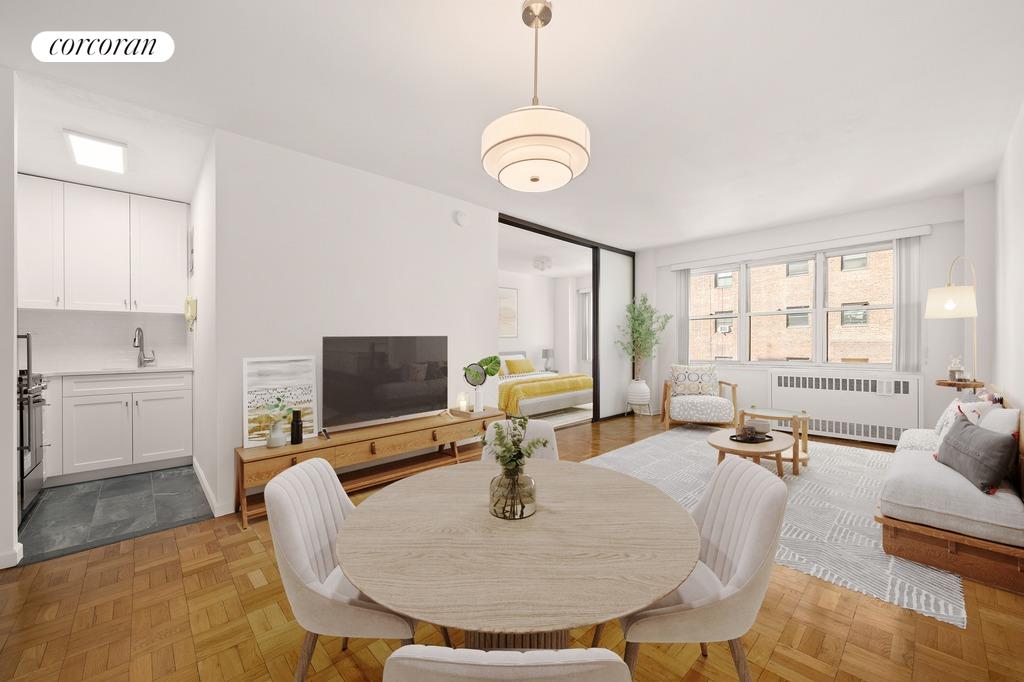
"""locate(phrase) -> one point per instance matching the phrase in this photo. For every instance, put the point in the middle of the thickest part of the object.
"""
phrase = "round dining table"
(600, 546)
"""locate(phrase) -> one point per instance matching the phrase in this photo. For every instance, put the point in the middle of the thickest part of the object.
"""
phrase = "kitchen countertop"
(112, 370)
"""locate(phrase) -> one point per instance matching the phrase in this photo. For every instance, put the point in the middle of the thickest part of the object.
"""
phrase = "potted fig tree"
(641, 333)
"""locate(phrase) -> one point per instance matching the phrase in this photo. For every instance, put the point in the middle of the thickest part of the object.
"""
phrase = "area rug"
(829, 531)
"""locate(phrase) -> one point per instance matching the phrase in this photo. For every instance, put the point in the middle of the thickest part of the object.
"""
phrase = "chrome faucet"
(140, 342)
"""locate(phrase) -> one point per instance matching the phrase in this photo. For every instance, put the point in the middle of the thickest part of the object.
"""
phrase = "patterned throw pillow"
(694, 380)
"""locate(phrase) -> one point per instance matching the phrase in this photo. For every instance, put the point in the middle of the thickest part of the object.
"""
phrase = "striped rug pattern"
(829, 531)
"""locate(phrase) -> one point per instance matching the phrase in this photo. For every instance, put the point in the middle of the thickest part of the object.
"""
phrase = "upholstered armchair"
(417, 663)
(740, 519)
(695, 395)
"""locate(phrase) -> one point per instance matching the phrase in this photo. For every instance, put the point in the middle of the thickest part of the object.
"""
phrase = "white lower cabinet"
(116, 420)
(97, 432)
(161, 426)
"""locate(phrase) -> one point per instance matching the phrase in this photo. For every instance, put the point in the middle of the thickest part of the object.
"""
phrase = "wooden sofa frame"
(987, 562)
(666, 394)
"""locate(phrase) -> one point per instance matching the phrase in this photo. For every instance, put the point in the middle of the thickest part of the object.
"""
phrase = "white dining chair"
(535, 428)
(418, 663)
(740, 519)
(306, 506)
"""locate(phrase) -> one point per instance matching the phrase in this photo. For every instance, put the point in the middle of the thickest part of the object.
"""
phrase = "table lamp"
(547, 354)
(956, 302)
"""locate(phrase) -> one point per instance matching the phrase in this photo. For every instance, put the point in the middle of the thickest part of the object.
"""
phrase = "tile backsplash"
(78, 340)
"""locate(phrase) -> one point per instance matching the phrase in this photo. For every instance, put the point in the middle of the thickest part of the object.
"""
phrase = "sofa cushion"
(694, 380)
(919, 489)
(703, 409)
(981, 456)
(918, 439)
(949, 414)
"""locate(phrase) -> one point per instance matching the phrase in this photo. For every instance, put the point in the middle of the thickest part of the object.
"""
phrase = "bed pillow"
(506, 358)
(976, 411)
(981, 456)
(519, 366)
(1001, 420)
(694, 380)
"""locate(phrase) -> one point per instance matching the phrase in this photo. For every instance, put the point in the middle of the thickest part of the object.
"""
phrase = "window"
(798, 269)
(798, 320)
(863, 281)
(852, 317)
(823, 308)
(713, 302)
(854, 261)
(779, 307)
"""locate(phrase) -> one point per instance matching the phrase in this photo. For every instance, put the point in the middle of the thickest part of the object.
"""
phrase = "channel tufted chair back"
(535, 428)
(306, 506)
(419, 663)
(739, 517)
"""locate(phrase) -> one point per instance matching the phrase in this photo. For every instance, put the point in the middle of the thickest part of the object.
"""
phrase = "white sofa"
(932, 514)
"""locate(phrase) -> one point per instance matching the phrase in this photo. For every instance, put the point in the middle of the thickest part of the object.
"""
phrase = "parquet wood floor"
(204, 602)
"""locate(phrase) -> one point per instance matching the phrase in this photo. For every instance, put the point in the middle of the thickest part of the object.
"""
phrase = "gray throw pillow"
(981, 456)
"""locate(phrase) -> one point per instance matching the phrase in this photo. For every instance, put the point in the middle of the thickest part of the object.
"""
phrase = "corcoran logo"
(102, 46)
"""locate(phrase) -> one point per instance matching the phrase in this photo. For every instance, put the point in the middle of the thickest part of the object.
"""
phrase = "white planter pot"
(638, 392)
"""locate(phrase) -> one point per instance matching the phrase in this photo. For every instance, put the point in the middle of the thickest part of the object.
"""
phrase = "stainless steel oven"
(30, 432)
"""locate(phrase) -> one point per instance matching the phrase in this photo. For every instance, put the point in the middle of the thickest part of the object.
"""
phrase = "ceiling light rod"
(536, 15)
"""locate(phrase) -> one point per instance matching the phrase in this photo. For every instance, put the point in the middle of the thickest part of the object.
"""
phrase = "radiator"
(869, 406)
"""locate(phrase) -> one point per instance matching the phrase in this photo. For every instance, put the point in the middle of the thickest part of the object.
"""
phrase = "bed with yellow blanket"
(541, 392)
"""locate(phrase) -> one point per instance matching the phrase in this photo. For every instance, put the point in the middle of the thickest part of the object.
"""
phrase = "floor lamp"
(956, 302)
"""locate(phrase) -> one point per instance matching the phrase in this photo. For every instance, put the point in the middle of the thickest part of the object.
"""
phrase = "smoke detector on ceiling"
(542, 263)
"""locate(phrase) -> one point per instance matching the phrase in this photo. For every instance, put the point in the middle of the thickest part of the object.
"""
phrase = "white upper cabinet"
(40, 243)
(97, 259)
(159, 234)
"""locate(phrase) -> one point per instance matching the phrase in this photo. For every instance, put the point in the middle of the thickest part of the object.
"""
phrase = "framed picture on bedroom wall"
(508, 313)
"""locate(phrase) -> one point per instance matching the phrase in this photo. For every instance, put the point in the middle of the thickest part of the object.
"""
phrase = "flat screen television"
(377, 378)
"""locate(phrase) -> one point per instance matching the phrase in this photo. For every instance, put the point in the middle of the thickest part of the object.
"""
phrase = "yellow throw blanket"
(511, 392)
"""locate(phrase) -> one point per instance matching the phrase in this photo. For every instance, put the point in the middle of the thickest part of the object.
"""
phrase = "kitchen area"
(105, 392)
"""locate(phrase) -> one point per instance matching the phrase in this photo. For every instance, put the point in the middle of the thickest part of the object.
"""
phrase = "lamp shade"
(951, 302)
(535, 149)
(547, 353)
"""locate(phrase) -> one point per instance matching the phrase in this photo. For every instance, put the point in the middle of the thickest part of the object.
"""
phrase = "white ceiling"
(164, 153)
(707, 116)
(517, 248)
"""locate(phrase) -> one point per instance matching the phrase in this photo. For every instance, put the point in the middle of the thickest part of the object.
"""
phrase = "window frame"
(735, 316)
(818, 313)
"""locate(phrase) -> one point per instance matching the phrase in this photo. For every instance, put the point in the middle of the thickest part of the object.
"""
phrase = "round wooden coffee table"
(773, 449)
(601, 545)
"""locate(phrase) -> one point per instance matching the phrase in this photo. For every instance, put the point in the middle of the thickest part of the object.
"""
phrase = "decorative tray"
(756, 439)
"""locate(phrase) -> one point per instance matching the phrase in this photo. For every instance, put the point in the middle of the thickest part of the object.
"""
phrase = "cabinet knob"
(136, 304)
(295, 460)
(58, 300)
(126, 304)
(373, 447)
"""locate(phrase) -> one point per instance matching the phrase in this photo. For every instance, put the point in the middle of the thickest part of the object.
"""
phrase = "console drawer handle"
(373, 447)
(433, 436)
(295, 460)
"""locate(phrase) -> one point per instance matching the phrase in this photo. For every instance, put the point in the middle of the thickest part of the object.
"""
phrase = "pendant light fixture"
(535, 148)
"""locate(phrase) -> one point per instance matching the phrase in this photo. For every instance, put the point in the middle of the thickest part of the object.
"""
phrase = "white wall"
(202, 286)
(980, 246)
(536, 314)
(69, 340)
(940, 339)
(10, 548)
(1009, 364)
(307, 248)
(565, 325)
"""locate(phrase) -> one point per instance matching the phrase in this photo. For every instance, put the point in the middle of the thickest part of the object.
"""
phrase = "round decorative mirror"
(474, 374)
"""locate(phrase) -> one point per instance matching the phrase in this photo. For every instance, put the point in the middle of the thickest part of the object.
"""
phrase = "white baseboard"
(218, 508)
(12, 557)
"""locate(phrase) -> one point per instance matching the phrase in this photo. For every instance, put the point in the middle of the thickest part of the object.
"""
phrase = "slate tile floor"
(80, 516)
